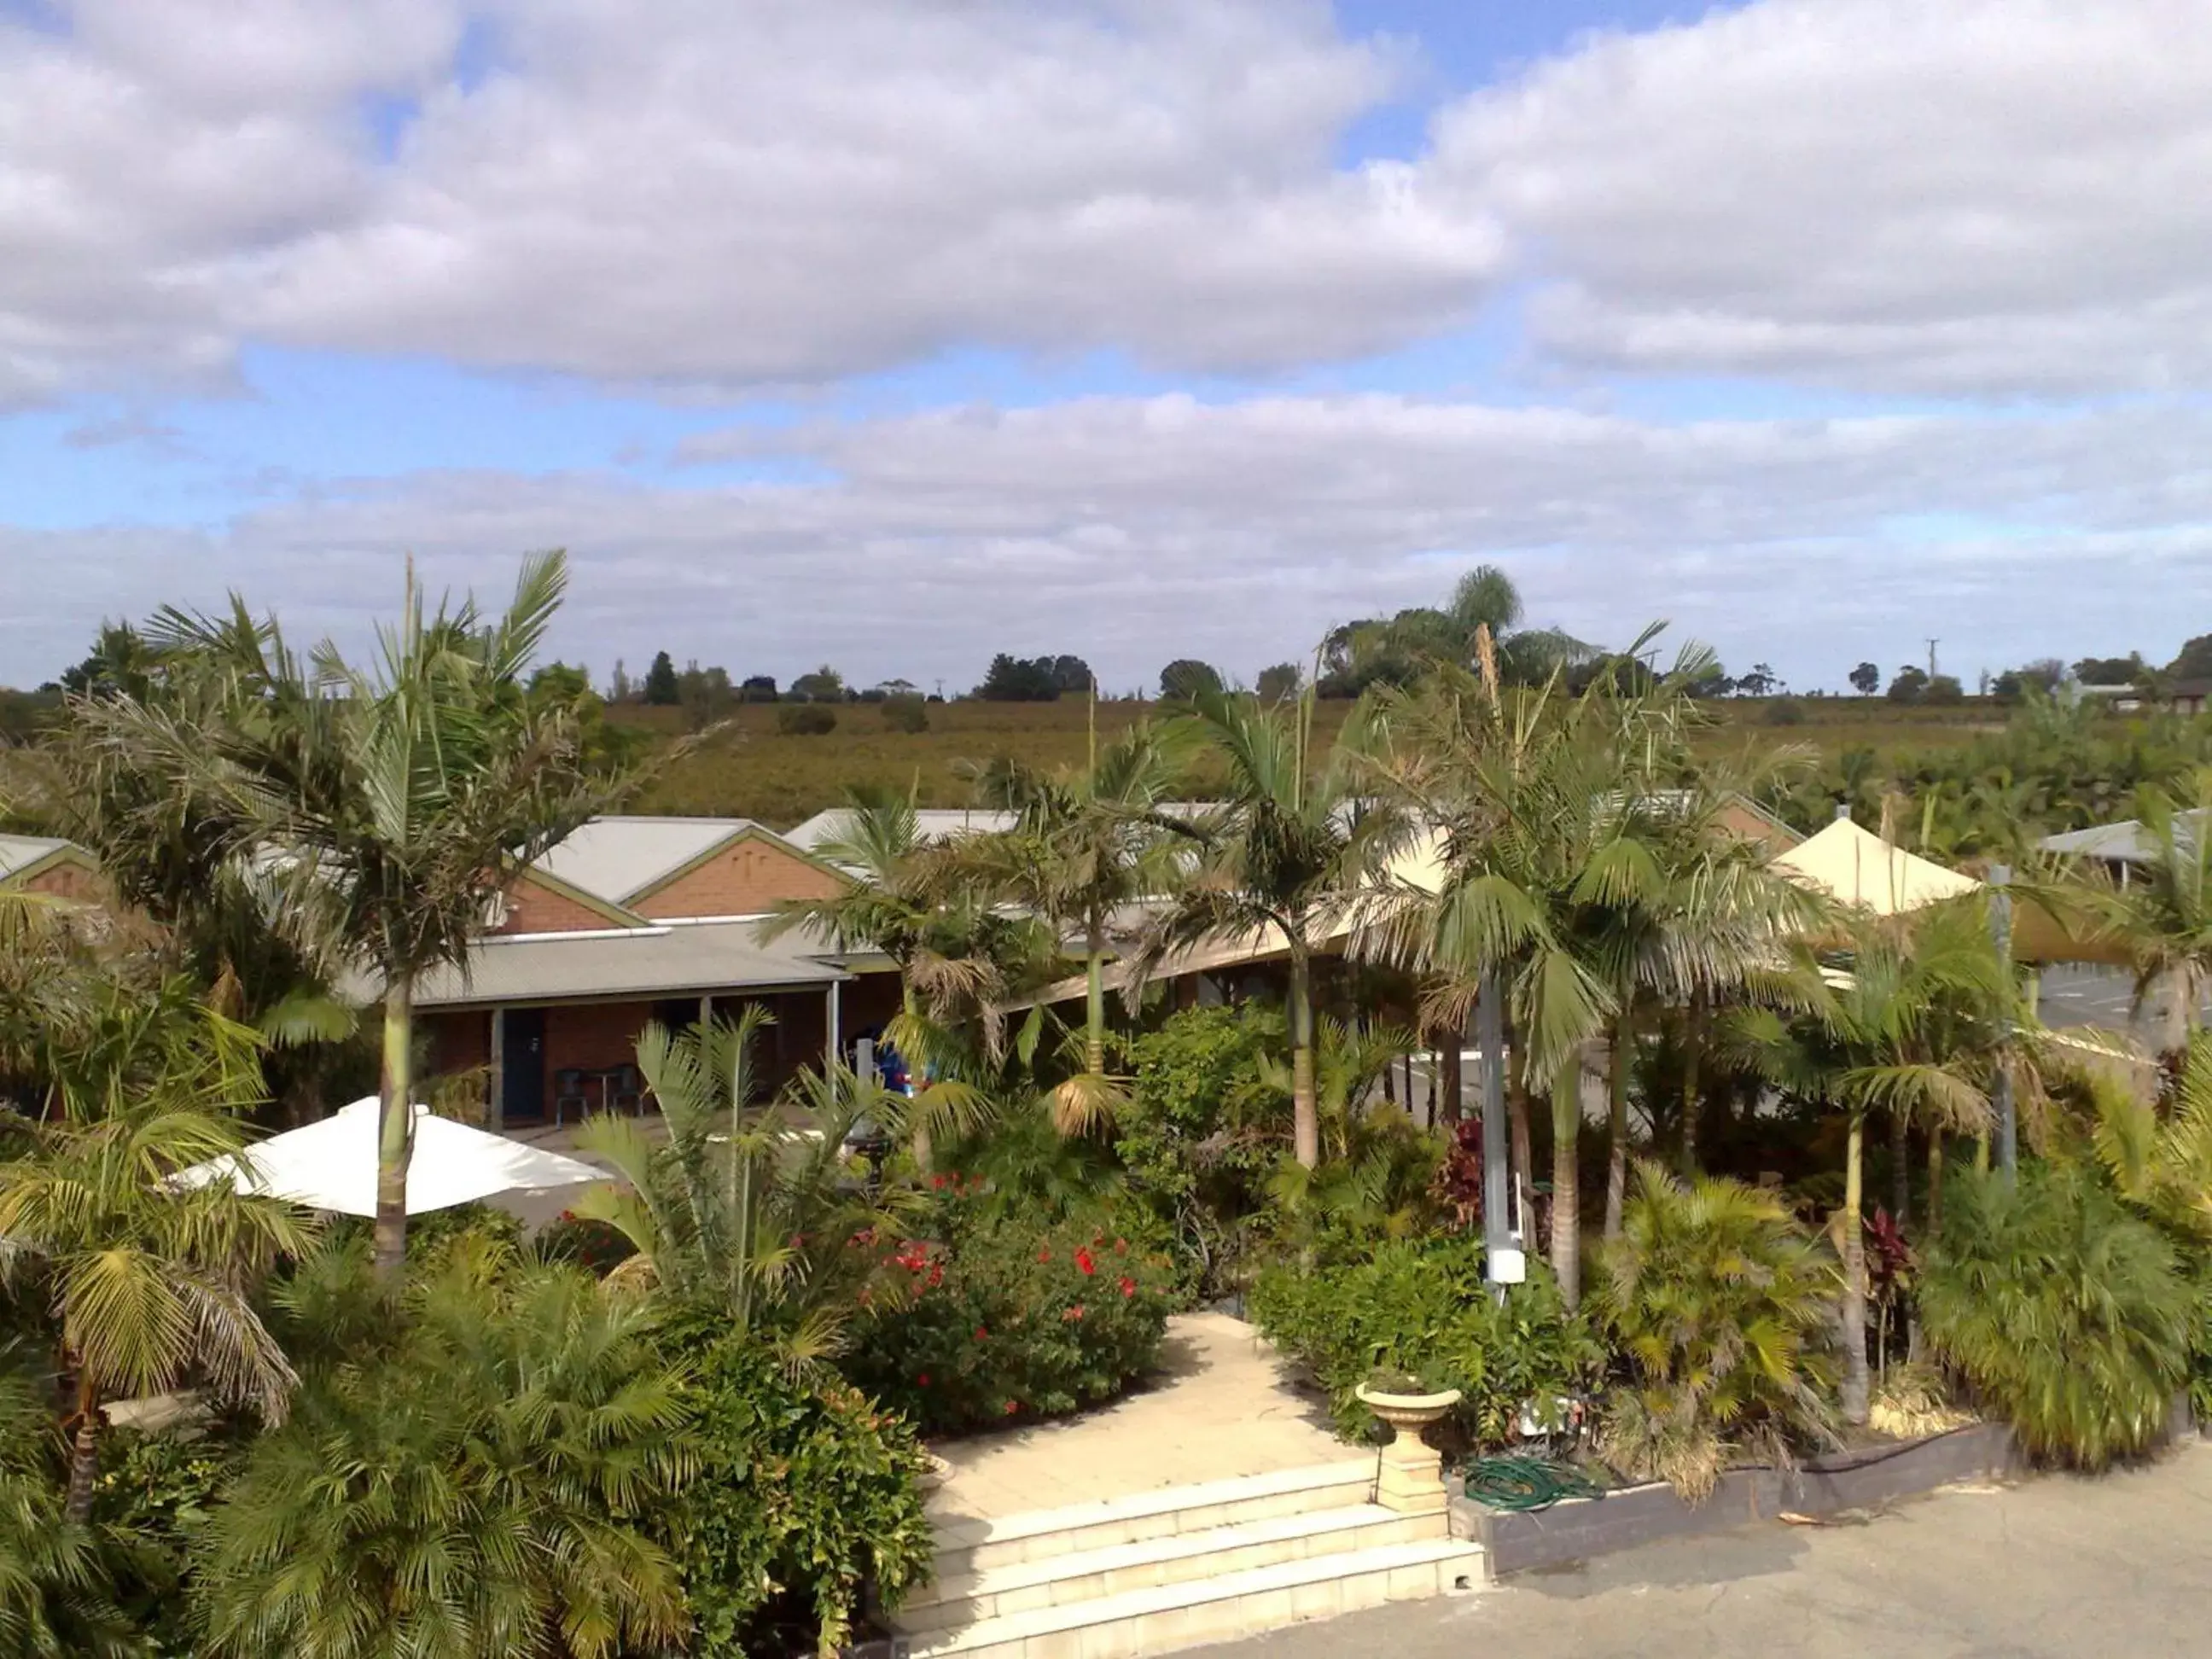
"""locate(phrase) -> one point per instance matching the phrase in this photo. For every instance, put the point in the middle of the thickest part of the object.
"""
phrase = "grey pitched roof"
(618, 857)
(20, 852)
(679, 959)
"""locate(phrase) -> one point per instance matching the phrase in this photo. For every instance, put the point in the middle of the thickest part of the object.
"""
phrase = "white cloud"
(709, 192)
(1136, 531)
(1979, 197)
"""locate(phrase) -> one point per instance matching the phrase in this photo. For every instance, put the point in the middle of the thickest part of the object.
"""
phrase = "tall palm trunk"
(1901, 1166)
(1448, 1107)
(1524, 1154)
(1935, 1180)
(395, 1133)
(1616, 1123)
(84, 1455)
(1857, 1384)
(1094, 1006)
(1693, 1054)
(1567, 1183)
(1305, 1116)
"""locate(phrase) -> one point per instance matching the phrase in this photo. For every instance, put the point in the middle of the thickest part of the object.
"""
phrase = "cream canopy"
(1862, 870)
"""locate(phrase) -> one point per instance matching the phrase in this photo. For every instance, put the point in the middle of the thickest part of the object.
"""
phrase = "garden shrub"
(805, 719)
(154, 1494)
(804, 1490)
(1717, 1303)
(1012, 1317)
(2067, 1313)
(1203, 1130)
(906, 713)
(598, 1247)
(1421, 1307)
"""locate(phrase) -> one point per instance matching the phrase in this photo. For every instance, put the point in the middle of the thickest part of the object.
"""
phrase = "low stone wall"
(1578, 1529)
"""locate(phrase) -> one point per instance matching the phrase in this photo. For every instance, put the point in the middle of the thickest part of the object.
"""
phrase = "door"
(522, 1065)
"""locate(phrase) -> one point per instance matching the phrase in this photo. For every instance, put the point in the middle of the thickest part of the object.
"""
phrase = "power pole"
(1932, 644)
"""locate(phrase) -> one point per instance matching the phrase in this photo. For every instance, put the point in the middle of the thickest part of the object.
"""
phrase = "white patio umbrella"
(332, 1165)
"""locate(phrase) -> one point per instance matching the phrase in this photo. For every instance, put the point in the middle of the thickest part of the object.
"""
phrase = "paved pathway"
(2054, 1568)
(1220, 1409)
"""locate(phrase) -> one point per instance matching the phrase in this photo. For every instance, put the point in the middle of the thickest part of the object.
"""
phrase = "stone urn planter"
(935, 1473)
(1412, 1479)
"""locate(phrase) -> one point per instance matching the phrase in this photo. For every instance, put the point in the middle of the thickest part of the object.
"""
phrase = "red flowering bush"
(1010, 1318)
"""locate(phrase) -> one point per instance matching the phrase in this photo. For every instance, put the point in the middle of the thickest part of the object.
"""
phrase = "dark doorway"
(522, 1065)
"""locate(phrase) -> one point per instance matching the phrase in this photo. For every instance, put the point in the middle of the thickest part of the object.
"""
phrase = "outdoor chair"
(626, 1090)
(568, 1094)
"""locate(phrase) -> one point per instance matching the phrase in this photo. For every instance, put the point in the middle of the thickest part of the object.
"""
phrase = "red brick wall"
(743, 880)
(69, 880)
(459, 1040)
(595, 1037)
(534, 908)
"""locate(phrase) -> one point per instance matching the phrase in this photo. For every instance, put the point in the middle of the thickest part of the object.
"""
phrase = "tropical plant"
(2063, 1311)
(57, 1597)
(469, 1472)
(1288, 857)
(381, 812)
(957, 955)
(1421, 1306)
(1084, 846)
(743, 1206)
(1544, 810)
(1906, 1030)
(807, 1494)
(1717, 1304)
(149, 1282)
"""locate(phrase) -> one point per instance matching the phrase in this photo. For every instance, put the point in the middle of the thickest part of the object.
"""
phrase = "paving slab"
(1222, 1408)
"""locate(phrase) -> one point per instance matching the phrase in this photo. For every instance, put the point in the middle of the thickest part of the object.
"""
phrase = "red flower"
(1128, 1285)
(1120, 1247)
(922, 1381)
(1072, 1315)
(1045, 1255)
(983, 1334)
(936, 1182)
(1083, 1262)
(936, 1274)
(1013, 1406)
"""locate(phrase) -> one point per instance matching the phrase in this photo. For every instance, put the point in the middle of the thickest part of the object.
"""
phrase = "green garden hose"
(1525, 1483)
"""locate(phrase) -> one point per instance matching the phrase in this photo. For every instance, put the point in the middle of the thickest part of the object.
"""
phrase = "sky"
(895, 333)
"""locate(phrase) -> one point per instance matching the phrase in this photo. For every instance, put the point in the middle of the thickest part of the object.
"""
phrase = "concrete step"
(1058, 1580)
(1140, 1623)
(966, 1547)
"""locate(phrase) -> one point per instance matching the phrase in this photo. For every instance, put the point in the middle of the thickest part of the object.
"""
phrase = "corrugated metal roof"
(618, 857)
(20, 852)
(687, 958)
(2127, 842)
(932, 823)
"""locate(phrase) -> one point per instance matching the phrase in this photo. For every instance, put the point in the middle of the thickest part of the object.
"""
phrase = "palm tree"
(1544, 813)
(151, 1285)
(958, 956)
(383, 811)
(1679, 914)
(2161, 917)
(471, 1471)
(1883, 1036)
(744, 1207)
(1294, 850)
(1084, 848)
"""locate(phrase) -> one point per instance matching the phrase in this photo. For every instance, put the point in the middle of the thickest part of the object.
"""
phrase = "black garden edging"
(1578, 1529)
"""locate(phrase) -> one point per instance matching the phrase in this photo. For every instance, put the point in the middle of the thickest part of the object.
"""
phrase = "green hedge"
(1421, 1307)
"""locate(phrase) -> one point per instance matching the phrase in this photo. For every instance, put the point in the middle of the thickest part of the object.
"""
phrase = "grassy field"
(751, 769)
